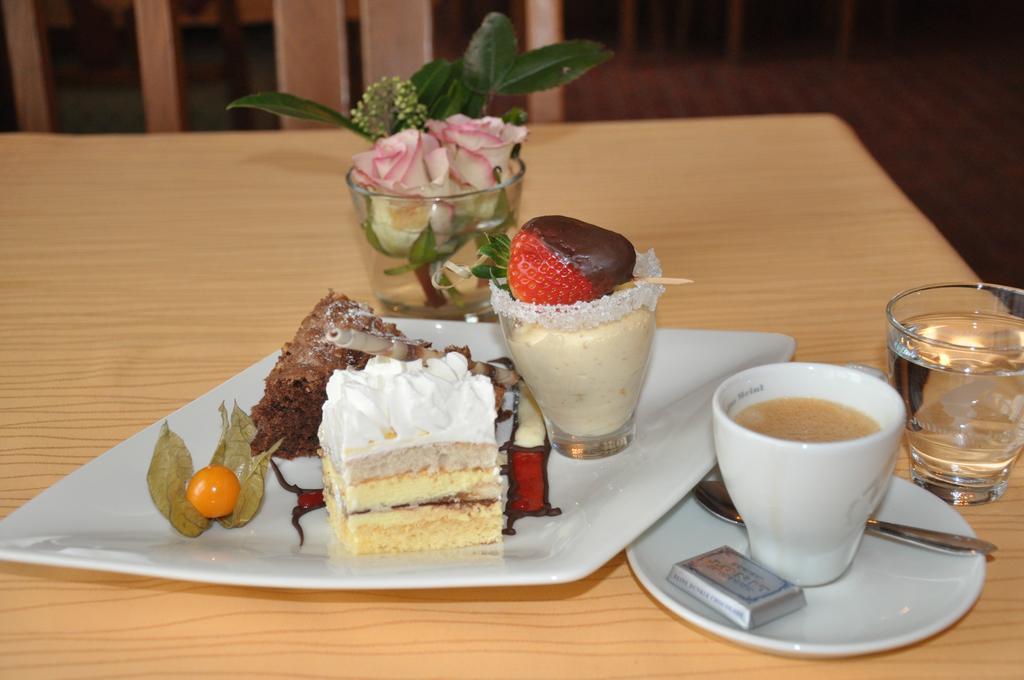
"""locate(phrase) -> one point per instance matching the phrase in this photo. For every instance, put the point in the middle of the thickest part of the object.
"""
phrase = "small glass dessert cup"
(585, 362)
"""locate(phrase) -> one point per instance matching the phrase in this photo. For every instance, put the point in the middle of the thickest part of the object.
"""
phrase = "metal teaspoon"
(713, 495)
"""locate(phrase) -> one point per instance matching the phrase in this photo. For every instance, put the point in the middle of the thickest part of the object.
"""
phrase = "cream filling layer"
(411, 489)
(477, 484)
(423, 456)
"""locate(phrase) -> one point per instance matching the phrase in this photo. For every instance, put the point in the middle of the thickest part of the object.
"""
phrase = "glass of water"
(956, 355)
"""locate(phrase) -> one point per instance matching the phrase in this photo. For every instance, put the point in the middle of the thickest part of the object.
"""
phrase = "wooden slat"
(657, 11)
(397, 37)
(160, 65)
(684, 19)
(543, 27)
(31, 75)
(312, 53)
(236, 66)
(734, 37)
(847, 21)
(627, 27)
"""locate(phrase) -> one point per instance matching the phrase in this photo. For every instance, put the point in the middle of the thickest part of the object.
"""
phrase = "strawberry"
(556, 260)
(538, 274)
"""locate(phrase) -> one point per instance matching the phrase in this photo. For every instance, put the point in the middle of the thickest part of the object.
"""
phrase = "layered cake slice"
(410, 459)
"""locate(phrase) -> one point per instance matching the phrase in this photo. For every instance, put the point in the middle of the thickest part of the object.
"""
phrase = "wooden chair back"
(311, 51)
(29, 56)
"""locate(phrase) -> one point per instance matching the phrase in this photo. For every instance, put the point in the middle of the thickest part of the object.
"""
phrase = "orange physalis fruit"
(213, 491)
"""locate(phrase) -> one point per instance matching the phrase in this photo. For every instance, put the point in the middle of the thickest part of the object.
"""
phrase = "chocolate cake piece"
(295, 389)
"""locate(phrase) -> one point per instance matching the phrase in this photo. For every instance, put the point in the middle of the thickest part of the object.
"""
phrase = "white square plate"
(101, 516)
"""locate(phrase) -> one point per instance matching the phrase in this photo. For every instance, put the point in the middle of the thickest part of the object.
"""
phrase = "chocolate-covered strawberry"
(557, 260)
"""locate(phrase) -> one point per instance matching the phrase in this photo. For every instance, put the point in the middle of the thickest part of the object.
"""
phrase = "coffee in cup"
(804, 419)
(805, 498)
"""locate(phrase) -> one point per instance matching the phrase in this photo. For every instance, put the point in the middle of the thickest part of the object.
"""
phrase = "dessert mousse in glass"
(578, 318)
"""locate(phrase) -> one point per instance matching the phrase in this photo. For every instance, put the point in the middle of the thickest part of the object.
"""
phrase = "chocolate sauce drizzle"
(527, 472)
(306, 500)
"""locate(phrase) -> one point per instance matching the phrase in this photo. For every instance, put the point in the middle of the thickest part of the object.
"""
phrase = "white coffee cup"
(805, 504)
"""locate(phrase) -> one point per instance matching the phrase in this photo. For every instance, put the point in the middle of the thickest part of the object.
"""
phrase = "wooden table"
(137, 272)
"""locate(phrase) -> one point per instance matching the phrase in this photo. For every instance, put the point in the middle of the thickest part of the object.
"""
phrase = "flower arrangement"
(442, 175)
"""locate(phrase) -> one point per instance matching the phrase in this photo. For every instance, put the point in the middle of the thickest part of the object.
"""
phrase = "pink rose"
(477, 146)
(408, 163)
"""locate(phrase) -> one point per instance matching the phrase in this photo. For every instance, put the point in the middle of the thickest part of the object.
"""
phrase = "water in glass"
(965, 406)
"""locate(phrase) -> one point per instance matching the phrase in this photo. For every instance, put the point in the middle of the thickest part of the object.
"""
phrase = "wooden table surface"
(137, 272)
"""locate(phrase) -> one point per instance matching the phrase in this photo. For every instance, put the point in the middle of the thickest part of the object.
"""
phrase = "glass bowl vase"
(406, 240)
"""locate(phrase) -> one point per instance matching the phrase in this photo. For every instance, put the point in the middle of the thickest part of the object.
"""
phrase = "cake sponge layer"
(425, 527)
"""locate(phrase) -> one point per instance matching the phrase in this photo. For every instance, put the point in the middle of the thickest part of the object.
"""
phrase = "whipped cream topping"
(391, 404)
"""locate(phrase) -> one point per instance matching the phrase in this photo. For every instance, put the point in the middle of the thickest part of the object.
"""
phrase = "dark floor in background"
(947, 125)
(933, 88)
(938, 100)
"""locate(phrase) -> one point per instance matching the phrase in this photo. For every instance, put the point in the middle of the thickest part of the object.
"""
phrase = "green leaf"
(496, 248)
(496, 256)
(424, 248)
(501, 243)
(551, 66)
(401, 269)
(490, 54)
(169, 473)
(250, 496)
(432, 80)
(474, 105)
(371, 237)
(451, 102)
(486, 271)
(284, 104)
(502, 211)
(515, 116)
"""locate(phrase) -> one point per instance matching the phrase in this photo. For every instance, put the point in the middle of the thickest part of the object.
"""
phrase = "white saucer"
(893, 594)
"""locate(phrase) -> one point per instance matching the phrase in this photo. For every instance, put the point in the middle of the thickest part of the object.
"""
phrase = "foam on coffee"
(805, 419)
